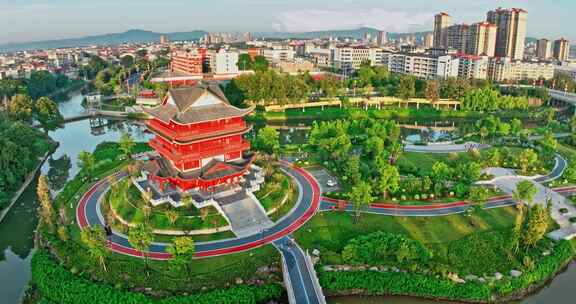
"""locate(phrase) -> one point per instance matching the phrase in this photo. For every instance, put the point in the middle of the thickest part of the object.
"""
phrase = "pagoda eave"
(200, 137)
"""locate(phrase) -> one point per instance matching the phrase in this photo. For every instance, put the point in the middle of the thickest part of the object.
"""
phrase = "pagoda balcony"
(198, 133)
(196, 155)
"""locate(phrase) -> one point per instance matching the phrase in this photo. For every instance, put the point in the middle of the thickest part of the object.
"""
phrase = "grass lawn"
(330, 232)
(130, 208)
(422, 161)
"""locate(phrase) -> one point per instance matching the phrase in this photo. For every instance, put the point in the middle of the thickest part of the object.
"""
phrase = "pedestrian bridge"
(299, 274)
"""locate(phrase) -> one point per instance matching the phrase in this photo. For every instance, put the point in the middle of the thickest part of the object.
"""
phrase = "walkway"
(246, 215)
(561, 210)
(444, 147)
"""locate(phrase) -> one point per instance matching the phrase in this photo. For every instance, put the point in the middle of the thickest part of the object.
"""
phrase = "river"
(17, 229)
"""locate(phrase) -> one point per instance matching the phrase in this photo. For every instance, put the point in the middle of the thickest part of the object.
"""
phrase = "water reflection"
(59, 172)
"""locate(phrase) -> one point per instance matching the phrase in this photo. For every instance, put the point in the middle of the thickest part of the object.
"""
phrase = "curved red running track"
(118, 248)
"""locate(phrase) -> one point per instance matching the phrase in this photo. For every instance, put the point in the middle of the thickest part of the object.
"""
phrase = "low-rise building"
(189, 62)
(423, 66)
(299, 65)
(224, 62)
(473, 67)
(504, 69)
(275, 56)
(566, 69)
(351, 58)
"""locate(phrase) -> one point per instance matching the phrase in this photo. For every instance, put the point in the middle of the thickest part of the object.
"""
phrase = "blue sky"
(27, 20)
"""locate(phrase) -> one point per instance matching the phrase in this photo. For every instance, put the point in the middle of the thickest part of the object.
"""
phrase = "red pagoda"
(200, 145)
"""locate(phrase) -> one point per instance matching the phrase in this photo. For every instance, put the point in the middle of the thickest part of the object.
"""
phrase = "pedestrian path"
(561, 209)
(444, 147)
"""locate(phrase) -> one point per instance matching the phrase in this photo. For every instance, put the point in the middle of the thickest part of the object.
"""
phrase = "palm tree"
(141, 237)
(172, 216)
(395, 151)
(182, 251)
(127, 145)
(94, 238)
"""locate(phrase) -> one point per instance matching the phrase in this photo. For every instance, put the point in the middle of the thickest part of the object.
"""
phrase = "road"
(302, 283)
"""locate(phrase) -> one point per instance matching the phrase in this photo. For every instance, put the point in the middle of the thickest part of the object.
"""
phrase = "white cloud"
(319, 20)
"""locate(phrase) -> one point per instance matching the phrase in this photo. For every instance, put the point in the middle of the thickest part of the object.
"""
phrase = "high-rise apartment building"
(382, 38)
(544, 49)
(456, 37)
(441, 23)
(561, 49)
(481, 39)
(428, 40)
(511, 31)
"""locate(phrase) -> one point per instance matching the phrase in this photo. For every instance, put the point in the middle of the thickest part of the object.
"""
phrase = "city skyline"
(42, 20)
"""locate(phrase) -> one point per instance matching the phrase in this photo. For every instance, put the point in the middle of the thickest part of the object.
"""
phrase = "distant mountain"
(136, 36)
(352, 33)
(132, 36)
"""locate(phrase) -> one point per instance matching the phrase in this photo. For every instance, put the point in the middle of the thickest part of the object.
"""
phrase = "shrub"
(385, 248)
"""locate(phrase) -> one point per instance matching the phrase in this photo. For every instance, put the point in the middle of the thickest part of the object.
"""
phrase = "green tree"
(182, 251)
(365, 74)
(141, 237)
(527, 159)
(46, 205)
(361, 197)
(549, 145)
(127, 61)
(478, 195)
(47, 114)
(245, 62)
(388, 179)
(524, 192)
(407, 88)
(516, 127)
(432, 91)
(87, 163)
(260, 64)
(20, 108)
(268, 140)
(441, 173)
(537, 223)
(94, 238)
(127, 145)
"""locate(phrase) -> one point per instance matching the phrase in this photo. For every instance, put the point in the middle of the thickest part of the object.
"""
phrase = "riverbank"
(25, 185)
(374, 282)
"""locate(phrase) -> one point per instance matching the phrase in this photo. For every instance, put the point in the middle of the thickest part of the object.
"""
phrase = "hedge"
(56, 284)
(412, 284)
(401, 283)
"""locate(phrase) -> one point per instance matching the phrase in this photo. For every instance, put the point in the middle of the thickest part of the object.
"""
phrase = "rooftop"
(203, 102)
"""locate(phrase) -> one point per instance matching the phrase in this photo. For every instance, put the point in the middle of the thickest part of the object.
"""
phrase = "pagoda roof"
(215, 169)
(203, 102)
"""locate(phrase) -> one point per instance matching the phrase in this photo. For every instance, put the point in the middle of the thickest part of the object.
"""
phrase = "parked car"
(331, 183)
